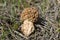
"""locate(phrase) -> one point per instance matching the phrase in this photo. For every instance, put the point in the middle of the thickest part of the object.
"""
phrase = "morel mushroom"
(30, 13)
(27, 27)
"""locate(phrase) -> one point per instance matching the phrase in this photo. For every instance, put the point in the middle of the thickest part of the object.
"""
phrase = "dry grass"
(47, 29)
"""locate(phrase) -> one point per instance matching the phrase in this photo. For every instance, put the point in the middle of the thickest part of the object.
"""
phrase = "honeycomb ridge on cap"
(30, 13)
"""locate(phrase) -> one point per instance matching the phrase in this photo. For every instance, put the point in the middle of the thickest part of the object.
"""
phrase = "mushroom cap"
(30, 13)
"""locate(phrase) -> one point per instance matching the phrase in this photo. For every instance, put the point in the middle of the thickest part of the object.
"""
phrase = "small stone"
(27, 27)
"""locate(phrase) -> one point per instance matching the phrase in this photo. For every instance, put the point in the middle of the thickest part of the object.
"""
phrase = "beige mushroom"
(27, 27)
(28, 17)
